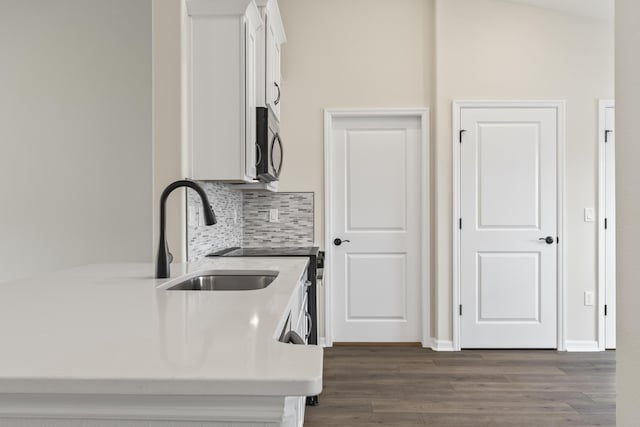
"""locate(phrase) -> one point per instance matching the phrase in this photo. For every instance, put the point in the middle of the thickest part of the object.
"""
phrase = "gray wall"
(75, 133)
(436, 51)
(628, 210)
(492, 49)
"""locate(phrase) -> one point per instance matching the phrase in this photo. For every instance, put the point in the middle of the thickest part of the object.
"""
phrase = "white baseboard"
(447, 345)
(582, 346)
(441, 345)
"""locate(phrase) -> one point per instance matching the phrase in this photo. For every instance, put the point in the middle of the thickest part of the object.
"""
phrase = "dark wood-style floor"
(409, 386)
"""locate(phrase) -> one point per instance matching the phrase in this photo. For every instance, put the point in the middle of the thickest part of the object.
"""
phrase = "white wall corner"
(441, 345)
(582, 346)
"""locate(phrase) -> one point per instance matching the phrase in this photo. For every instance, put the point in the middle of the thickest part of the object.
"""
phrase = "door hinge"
(460, 223)
(605, 309)
(460, 135)
(606, 135)
(460, 309)
(606, 225)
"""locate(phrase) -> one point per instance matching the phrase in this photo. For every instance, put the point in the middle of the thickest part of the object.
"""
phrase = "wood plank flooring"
(407, 387)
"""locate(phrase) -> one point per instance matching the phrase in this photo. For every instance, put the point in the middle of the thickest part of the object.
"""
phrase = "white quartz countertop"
(114, 329)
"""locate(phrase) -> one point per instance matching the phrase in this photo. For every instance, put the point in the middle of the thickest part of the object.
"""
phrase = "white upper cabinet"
(270, 38)
(224, 41)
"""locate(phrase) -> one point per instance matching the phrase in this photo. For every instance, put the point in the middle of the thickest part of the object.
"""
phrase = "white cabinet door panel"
(250, 102)
(273, 86)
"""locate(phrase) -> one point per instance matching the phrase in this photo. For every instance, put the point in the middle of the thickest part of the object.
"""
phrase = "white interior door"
(610, 227)
(375, 205)
(508, 203)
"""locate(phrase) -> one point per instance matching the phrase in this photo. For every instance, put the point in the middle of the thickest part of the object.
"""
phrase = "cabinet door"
(277, 81)
(293, 412)
(250, 102)
(273, 87)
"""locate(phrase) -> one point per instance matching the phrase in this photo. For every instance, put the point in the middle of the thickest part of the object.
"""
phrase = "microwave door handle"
(281, 154)
(259, 152)
(277, 170)
(273, 143)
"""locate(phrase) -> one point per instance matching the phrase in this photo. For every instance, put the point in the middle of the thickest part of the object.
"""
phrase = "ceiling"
(598, 9)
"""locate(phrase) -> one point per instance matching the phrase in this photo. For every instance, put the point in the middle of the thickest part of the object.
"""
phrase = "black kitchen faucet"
(164, 256)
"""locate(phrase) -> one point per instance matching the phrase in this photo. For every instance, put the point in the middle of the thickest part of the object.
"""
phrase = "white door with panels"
(508, 227)
(608, 204)
(374, 205)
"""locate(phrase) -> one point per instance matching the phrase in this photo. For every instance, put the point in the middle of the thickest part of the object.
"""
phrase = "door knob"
(549, 240)
(339, 241)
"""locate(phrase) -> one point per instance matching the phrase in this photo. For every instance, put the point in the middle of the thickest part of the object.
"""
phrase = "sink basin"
(227, 281)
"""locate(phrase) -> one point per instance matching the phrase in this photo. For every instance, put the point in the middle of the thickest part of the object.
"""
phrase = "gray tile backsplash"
(227, 205)
(295, 225)
(243, 220)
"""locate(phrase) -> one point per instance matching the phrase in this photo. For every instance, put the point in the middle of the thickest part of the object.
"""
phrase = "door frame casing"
(560, 107)
(421, 113)
(603, 104)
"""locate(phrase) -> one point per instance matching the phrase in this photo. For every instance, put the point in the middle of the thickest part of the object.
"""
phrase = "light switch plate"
(589, 298)
(589, 214)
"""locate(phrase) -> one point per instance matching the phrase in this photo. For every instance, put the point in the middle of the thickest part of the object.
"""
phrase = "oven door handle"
(309, 325)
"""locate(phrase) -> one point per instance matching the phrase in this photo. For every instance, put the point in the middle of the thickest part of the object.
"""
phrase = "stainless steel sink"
(227, 281)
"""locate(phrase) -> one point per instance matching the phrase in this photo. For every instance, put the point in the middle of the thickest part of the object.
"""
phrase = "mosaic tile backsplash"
(243, 220)
(227, 205)
(295, 224)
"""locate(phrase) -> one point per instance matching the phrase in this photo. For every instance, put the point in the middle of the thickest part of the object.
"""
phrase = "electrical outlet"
(589, 214)
(589, 298)
(273, 215)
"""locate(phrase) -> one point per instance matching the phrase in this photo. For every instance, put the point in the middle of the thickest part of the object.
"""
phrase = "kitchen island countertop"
(114, 329)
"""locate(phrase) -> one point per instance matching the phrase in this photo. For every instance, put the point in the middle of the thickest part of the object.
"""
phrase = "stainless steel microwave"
(269, 146)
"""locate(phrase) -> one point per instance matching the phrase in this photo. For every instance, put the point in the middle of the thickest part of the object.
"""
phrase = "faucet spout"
(164, 257)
